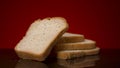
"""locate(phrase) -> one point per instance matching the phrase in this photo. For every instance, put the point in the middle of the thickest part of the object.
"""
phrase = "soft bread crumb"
(69, 54)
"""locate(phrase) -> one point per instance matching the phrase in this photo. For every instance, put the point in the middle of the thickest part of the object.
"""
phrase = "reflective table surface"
(108, 58)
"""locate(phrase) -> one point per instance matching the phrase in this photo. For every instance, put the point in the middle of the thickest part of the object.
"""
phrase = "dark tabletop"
(108, 58)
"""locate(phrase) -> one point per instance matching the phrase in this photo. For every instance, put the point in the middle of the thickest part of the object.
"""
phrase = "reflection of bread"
(23, 63)
(40, 38)
(81, 65)
(87, 61)
(86, 44)
(92, 58)
(69, 54)
(71, 38)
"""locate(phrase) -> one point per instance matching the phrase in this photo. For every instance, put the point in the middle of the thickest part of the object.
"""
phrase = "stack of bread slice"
(74, 45)
(49, 34)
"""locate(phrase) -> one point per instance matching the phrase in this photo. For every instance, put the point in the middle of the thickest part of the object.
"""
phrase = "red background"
(97, 20)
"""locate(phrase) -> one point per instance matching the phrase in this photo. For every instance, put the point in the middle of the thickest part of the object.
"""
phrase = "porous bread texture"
(69, 54)
(40, 38)
(86, 44)
(71, 38)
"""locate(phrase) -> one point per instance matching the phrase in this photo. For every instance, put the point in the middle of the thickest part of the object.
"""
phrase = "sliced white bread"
(40, 38)
(92, 51)
(86, 44)
(69, 54)
(71, 38)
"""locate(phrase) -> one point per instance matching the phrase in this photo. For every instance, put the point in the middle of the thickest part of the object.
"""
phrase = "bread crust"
(86, 44)
(92, 51)
(69, 54)
(71, 38)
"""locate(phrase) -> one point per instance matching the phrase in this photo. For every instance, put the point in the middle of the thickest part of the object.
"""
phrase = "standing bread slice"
(71, 38)
(40, 38)
(86, 44)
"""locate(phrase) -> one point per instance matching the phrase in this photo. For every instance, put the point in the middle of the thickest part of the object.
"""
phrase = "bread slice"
(86, 44)
(69, 54)
(71, 38)
(40, 38)
(92, 51)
